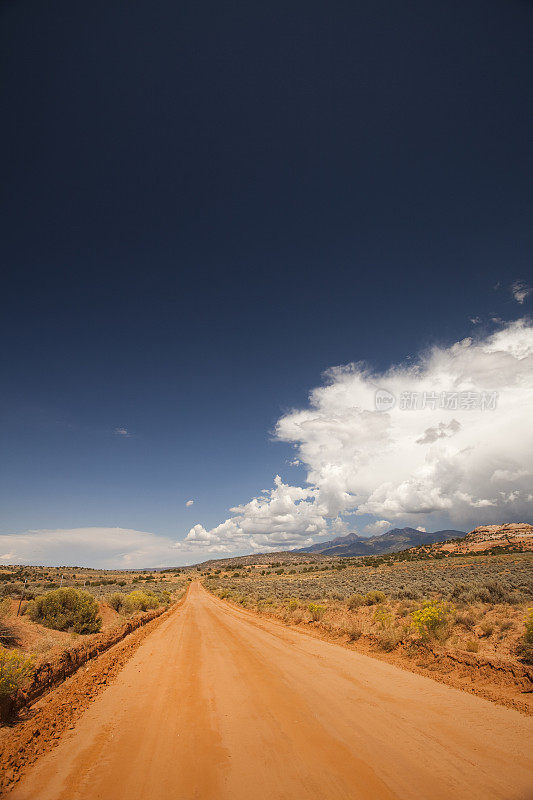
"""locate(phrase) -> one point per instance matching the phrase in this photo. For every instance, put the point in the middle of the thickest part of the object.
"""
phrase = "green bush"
(7, 631)
(372, 598)
(66, 609)
(165, 597)
(355, 601)
(15, 669)
(139, 601)
(115, 600)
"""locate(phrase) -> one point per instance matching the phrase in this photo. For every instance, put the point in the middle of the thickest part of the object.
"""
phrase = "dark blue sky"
(204, 206)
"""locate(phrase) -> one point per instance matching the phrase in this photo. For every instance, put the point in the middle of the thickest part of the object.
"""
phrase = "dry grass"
(32, 581)
(487, 597)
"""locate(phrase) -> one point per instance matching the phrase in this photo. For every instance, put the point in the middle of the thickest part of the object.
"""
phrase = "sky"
(222, 230)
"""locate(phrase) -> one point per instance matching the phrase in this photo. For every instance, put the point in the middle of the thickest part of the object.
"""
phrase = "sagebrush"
(15, 670)
(66, 610)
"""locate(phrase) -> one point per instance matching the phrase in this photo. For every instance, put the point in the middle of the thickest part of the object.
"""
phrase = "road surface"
(217, 704)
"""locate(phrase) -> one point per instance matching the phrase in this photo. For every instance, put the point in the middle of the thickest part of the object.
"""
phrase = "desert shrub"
(487, 628)
(467, 618)
(389, 638)
(15, 669)
(66, 609)
(298, 616)
(292, 605)
(524, 649)
(405, 607)
(316, 611)
(8, 634)
(528, 634)
(388, 635)
(408, 594)
(139, 600)
(384, 617)
(492, 592)
(352, 628)
(495, 592)
(457, 591)
(472, 645)
(374, 597)
(355, 601)
(116, 600)
(433, 620)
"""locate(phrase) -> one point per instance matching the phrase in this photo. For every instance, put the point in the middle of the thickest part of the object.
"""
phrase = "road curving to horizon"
(218, 704)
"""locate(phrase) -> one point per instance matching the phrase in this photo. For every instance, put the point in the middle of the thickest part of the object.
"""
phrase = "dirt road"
(217, 704)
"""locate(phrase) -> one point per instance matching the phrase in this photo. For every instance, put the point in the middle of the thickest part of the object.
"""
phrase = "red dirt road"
(217, 704)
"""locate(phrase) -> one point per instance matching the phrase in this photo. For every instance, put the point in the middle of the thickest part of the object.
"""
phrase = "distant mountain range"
(391, 542)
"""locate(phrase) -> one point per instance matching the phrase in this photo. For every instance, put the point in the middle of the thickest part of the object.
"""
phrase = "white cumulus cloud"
(457, 446)
(189, 503)
(372, 462)
(380, 526)
(281, 518)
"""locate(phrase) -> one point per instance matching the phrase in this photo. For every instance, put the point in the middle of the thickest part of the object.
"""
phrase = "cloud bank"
(455, 445)
(108, 548)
